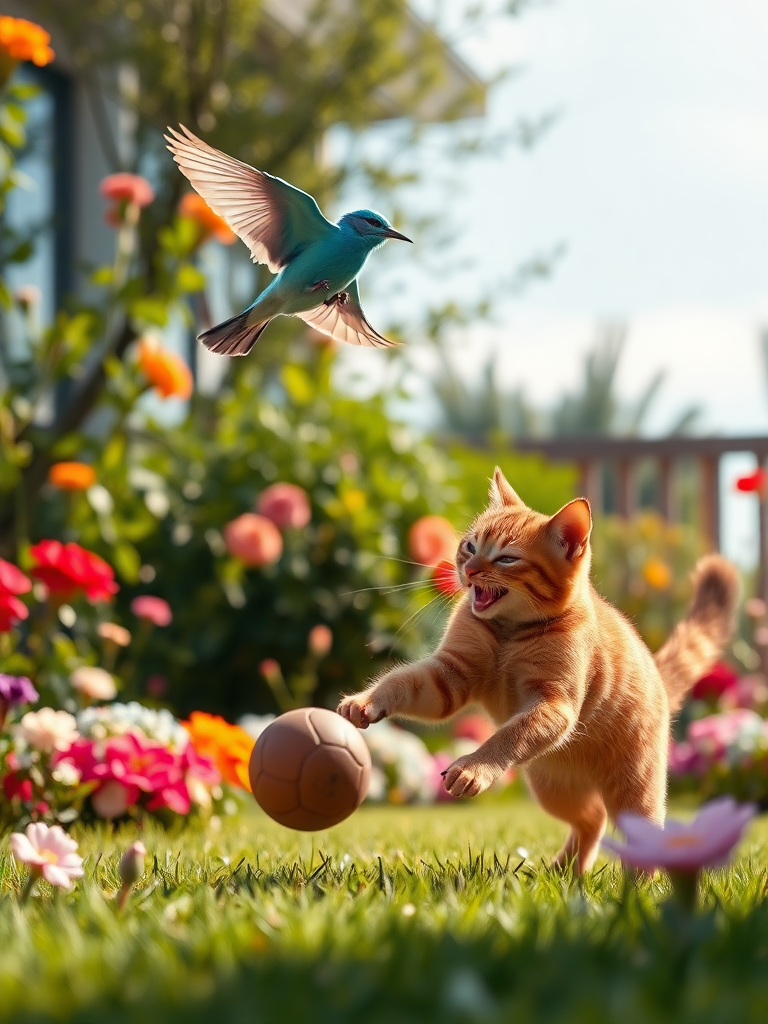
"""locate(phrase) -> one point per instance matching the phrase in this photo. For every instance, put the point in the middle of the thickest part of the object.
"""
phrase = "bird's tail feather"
(235, 337)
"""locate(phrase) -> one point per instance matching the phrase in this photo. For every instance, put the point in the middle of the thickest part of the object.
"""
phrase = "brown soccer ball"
(310, 769)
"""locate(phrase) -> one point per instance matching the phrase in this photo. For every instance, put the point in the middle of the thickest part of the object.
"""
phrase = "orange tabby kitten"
(579, 701)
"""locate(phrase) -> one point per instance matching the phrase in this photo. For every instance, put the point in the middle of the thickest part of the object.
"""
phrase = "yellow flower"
(657, 574)
(353, 501)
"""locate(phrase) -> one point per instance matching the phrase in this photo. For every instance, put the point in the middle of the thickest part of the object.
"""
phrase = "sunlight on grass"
(416, 914)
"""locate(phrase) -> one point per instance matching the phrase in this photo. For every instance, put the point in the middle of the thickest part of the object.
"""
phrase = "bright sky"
(656, 179)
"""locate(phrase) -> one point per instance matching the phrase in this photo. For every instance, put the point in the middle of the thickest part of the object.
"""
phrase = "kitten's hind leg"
(584, 811)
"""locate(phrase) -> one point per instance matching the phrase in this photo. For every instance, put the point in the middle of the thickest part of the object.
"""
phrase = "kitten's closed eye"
(507, 560)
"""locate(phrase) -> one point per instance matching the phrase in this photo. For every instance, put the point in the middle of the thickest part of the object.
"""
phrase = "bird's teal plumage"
(316, 262)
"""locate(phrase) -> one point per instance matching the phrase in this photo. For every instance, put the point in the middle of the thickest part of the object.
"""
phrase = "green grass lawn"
(398, 915)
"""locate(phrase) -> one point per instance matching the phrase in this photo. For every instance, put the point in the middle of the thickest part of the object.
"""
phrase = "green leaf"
(297, 383)
(189, 278)
(127, 561)
(103, 276)
(151, 309)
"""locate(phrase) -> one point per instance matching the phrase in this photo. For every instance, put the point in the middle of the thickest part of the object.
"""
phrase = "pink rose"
(155, 609)
(287, 505)
(255, 540)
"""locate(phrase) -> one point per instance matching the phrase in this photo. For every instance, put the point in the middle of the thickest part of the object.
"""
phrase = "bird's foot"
(321, 286)
(339, 299)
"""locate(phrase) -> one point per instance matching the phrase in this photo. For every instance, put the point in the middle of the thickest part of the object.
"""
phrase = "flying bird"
(316, 263)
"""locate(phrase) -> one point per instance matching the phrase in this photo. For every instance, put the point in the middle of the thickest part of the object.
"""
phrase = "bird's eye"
(470, 547)
(373, 222)
(507, 560)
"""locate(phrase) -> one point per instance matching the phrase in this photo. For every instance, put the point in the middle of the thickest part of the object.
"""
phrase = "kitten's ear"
(501, 494)
(569, 528)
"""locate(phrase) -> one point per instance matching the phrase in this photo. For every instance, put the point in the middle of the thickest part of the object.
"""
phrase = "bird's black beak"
(391, 233)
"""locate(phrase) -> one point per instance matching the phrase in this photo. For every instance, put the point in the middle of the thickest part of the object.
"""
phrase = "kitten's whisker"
(408, 561)
(413, 585)
(419, 614)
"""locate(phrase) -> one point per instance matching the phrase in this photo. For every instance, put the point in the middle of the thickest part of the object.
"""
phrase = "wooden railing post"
(625, 488)
(667, 496)
(710, 499)
(591, 484)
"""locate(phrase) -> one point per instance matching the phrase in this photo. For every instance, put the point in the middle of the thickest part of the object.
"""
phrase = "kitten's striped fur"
(580, 703)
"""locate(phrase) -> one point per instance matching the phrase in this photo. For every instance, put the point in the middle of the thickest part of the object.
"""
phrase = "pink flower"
(127, 188)
(174, 797)
(473, 727)
(255, 540)
(319, 641)
(136, 761)
(270, 668)
(131, 866)
(48, 852)
(155, 609)
(113, 799)
(431, 540)
(682, 758)
(706, 842)
(287, 505)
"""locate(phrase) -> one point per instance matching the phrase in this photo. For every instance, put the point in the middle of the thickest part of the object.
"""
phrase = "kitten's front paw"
(361, 710)
(469, 777)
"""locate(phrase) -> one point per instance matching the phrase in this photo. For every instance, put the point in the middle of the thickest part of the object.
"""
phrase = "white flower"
(94, 682)
(255, 725)
(48, 730)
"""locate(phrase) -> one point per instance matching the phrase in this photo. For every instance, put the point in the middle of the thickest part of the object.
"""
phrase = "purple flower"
(678, 847)
(15, 690)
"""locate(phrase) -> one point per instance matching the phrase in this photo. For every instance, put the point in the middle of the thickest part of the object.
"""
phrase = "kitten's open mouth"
(484, 597)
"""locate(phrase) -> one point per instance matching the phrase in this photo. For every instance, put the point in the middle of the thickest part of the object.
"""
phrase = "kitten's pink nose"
(474, 566)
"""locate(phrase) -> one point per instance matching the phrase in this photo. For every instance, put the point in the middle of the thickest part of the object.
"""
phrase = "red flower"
(67, 568)
(286, 505)
(431, 539)
(12, 582)
(719, 680)
(445, 577)
(155, 609)
(754, 482)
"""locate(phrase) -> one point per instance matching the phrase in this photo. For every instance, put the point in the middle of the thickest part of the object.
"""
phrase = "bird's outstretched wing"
(342, 318)
(274, 219)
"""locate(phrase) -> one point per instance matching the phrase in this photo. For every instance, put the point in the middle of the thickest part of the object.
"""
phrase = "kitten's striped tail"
(697, 642)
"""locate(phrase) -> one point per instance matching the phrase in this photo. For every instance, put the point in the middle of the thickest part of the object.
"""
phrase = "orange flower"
(194, 207)
(24, 40)
(228, 746)
(432, 539)
(72, 476)
(166, 371)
